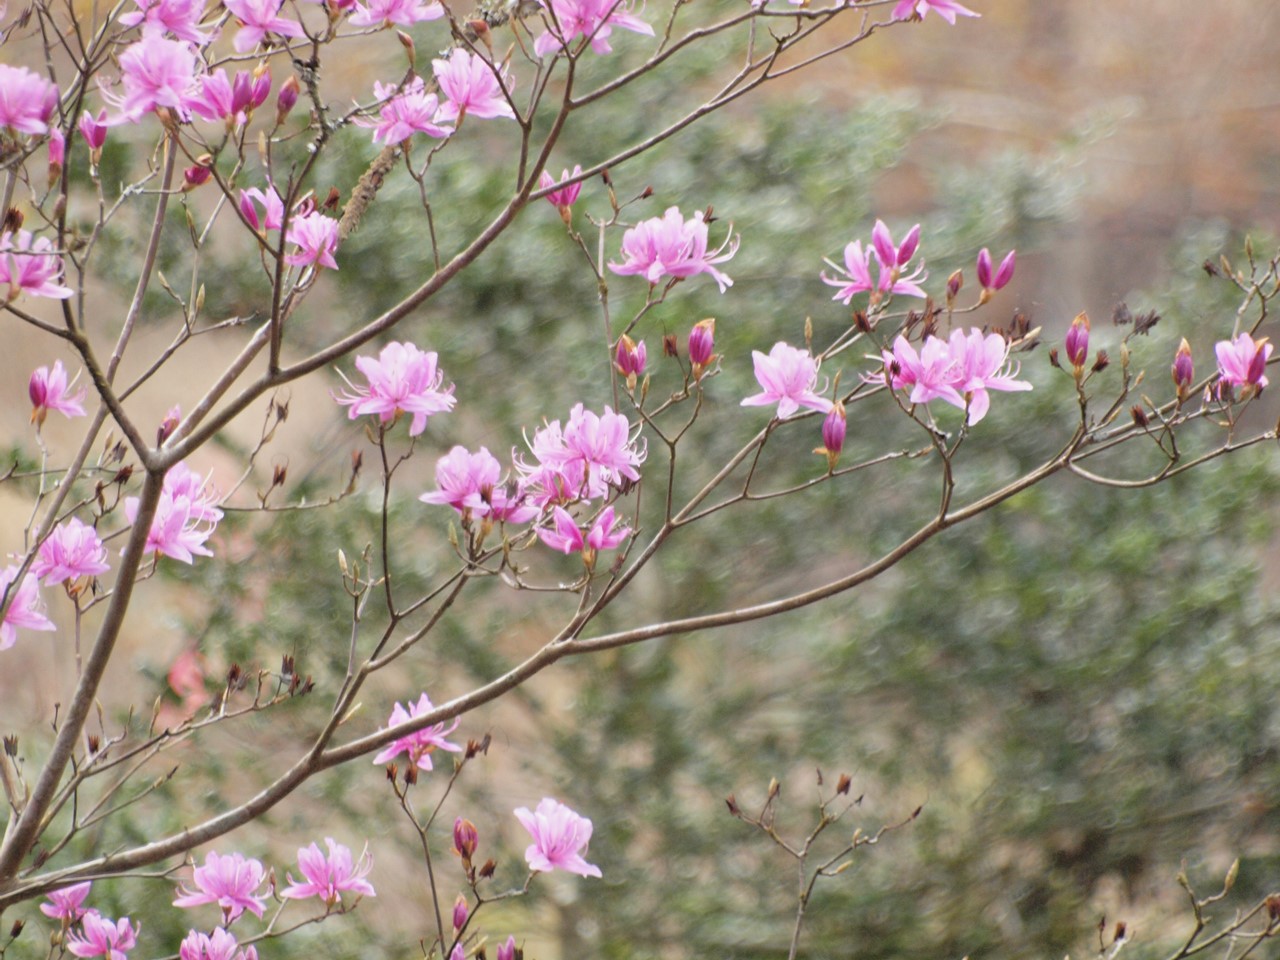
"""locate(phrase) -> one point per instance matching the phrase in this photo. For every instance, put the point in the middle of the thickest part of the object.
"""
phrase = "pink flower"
(410, 111)
(890, 255)
(981, 365)
(472, 85)
(185, 516)
(47, 389)
(560, 837)
(564, 197)
(946, 9)
(603, 444)
(27, 100)
(1077, 342)
(856, 275)
(232, 882)
(231, 100)
(787, 376)
(272, 208)
(71, 551)
(94, 130)
(220, 945)
(156, 73)
(24, 606)
(257, 19)
(593, 19)
(317, 238)
(1243, 362)
(386, 13)
(179, 17)
(507, 951)
(65, 904)
(670, 246)
(471, 484)
(31, 266)
(102, 937)
(420, 744)
(995, 280)
(327, 878)
(930, 374)
(567, 537)
(403, 379)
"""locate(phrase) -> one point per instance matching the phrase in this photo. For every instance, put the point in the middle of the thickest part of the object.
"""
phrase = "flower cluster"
(959, 371)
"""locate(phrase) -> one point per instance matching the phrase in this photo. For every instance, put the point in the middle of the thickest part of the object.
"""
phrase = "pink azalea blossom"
(185, 516)
(856, 277)
(593, 19)
(410, 111)
(1242, 362)
(567, 537)
(996, 278)
(471, 483)
(471, 84)
(220, 945)
(562, 198)
(317, 238)
(403, 379)
(982, 365)
(507, 951)
(65, 904)
(560, 837)
(31, 266)
(271, 204)
(787, 376)
(100, 937)
(156, 72)
(94, 130)
(421, 744)
(27, 100)
(57, 154)
(387, 13)
(231, 100)
(889, 254)
(25, 609)
(670, 246)
(233, 882)
(179, 17)
(946, 9)
(71, 551)
(257, 19)
(328, 877)
(48, 390)
(930, 374)
(603, 444)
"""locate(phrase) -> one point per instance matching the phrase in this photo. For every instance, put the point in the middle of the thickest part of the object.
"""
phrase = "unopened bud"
(411, 774)
(507, 951)
(629, 359)
(1053, 357)
(833, 432)
(460, 913)
(775, 787)
(1077, 342)
(198, 174)
(168, 425)
(670, 348)
(843, 784)
(393, 770)
(16, 930)
(702, 343)
(465, 838)
(1139, 416)
(1101, 362)
(1183, 370)
(732, 803)
(486, 870)
(286, 98)
(954, 283)
(278, 474)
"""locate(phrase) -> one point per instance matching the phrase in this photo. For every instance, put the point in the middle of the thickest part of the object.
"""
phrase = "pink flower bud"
(954, 283)
(194, 176)
(702, 341)
(57, 154)
(564, 197)
(984, 268)
(1077, 342)
(1005, 271)
(458, 953)
(460, 913)
(1183, 369)
(94, 130)
(168, 425)
(909, 246)
(833, 431)
(286, 98)
(991, 281)
(507, 951)
(465, 838)
(629, 359)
